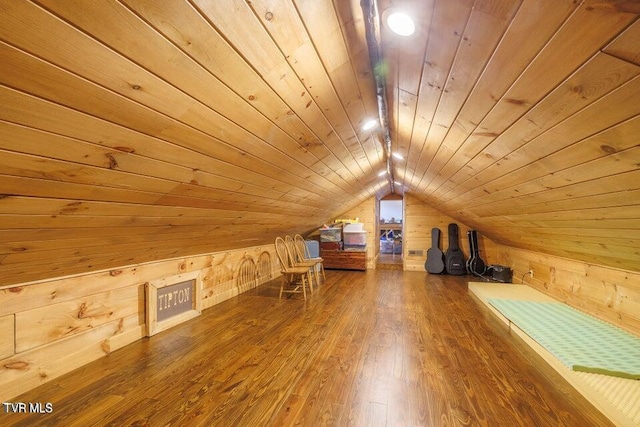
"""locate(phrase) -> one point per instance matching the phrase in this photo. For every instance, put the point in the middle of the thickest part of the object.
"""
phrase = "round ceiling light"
(370, 124)
(401, 23)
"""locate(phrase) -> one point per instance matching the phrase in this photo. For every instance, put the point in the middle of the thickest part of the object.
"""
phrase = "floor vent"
(415, 252)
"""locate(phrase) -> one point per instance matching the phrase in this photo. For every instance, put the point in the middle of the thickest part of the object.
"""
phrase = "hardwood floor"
(375, 348)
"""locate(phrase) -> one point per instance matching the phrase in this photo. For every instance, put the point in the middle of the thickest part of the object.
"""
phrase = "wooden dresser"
(344, 260)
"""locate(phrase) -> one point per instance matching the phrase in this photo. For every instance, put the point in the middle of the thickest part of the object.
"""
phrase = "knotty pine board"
(180, 130)
(438, 60)
(266, 56)
(7, 336)
(420, 218)
(610, 110)
(186, 75)
(487, 23)
(539, 19)
(601, 75)
(87, 316)
(53, 322)
(625, 46)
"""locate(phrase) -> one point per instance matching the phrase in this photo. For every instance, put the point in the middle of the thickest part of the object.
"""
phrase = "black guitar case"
(475, 265)
(435, 257)
(454, 258)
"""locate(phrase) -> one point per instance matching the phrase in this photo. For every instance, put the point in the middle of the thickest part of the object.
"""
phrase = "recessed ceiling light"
(370, 124)
(396, 183)
(398, 156)
(401, 23)
(383, 173)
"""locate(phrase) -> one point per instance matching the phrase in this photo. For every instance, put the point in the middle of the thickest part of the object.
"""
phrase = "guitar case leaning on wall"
(475, 264)
(435, 257)
(454, 258)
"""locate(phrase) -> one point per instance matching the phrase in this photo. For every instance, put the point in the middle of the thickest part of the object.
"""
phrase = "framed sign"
(172, 300)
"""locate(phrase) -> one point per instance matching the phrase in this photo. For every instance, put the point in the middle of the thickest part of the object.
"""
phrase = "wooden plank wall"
(366, 211)
(52, 327)
(419, 219)
(608, 293)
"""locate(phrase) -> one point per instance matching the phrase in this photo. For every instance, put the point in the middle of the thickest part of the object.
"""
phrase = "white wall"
(391, 209)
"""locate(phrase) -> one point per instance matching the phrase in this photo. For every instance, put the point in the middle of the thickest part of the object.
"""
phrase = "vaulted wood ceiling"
(137, 130)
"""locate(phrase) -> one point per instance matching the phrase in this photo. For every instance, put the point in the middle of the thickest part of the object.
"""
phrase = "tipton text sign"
(172, 300)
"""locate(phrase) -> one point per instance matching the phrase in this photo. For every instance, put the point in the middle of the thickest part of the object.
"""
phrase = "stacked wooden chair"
(303, 252)
(294, 277)
(299, 261)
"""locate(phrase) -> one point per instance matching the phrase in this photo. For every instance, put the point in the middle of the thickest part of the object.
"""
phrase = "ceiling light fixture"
(370, 124)
(398, 156)
(400, 23)
(383, 173)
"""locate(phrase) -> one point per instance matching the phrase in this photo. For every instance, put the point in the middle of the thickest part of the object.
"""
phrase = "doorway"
(391, 228)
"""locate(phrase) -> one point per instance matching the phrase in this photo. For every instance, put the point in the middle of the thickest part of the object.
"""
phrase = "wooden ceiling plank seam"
(183, 79)
(189, 127)
(294, 56)
(54, 170)
(489, 31)
(587, 149)
(433, 146)
(329, 174)
(533, 125)
(531, 204)
(342, 74)
(255, 96)
(631, 211)
(463, 127)
(44, 188)
(66, 221)
(21, 239)
(569, 144)
(15, 205)
(622, 47)
(354, 35)
(480, 39)
(578, 14)
(211, 11)
(59, 147)
(407, 76)
(625, 237)
(353, 111)
(582, 173)
(433, 132)
(194, 150)
(626, 181)
(304, 133)
(43, 257)
(613, 117)
(409, 150)
(41, 247)
(18, 108)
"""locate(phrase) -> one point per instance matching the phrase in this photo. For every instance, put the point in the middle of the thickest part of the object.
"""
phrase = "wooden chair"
(291, 274)
(299, 261)
(303, 251)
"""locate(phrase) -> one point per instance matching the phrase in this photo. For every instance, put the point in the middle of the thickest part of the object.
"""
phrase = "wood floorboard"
(375, 348)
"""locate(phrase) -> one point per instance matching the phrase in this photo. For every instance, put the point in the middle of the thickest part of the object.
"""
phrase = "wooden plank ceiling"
(138, 130)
